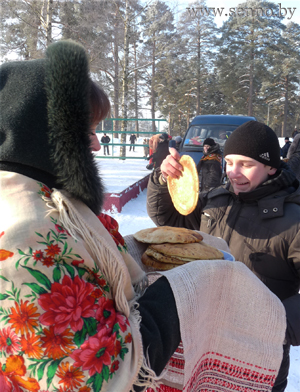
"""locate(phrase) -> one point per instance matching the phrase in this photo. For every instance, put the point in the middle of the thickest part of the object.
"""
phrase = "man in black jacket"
(257, 213)
(284, 150)
(105, 140)
(132, 141)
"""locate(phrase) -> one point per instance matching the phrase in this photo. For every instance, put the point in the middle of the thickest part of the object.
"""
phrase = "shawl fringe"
(109, 261)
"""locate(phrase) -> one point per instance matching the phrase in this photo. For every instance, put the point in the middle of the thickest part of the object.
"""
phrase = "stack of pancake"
(170, 247)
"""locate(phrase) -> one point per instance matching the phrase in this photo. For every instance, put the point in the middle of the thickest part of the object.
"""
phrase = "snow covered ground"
(118, 175)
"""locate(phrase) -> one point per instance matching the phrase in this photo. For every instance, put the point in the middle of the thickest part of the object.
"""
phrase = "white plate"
(227, 256)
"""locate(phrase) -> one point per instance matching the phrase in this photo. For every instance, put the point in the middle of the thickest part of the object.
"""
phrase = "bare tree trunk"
(125, 81)
(250, 97)
(198, 82)
(32, 40)
(116, 79)
(286, 105)
(152, 87)
(49, 22)
(136, 92)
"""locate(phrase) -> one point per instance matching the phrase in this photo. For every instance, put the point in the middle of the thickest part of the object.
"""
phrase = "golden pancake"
(157, 265)
(159, 235)
(196, 251)
(163, 258)
(184, 191)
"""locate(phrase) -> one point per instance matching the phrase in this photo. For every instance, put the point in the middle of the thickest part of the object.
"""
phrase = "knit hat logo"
(265, 156)
(254, 140)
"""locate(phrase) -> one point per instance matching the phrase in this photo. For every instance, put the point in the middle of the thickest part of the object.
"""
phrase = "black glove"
(292, 308)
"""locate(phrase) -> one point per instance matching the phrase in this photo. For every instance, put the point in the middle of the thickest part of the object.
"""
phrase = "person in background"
(153, 143)
(146, 147)
(209, 167)
(162, 150)
(105, 140)
(132, 141)
(293, 155)
(257, 213)
(172, 143)
(178, 140)
(222, 135)
(284, 150)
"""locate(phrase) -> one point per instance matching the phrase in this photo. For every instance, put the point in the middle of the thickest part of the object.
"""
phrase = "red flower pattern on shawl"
(71, 377)
(11, 376)
(24, 317)
(64, 297)
(67, 304)
(95, 352)
(57, 345)
(107, 315)
(9, 341)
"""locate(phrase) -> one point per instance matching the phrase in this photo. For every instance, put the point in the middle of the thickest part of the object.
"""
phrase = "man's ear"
(272, 171)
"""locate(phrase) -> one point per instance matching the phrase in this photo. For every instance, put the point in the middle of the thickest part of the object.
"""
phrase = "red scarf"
(112, 227)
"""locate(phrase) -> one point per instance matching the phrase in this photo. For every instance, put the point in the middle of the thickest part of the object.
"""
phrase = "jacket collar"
(270, 196)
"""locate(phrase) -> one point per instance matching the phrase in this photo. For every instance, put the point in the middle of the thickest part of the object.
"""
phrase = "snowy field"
(118, 175)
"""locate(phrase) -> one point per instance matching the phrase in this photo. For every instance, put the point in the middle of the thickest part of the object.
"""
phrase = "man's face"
(246, 174)
(222, 135)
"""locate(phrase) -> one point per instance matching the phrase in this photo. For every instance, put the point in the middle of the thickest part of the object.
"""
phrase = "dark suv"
(217, 127)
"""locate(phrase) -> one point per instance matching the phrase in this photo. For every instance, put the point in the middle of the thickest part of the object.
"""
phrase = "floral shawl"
(67, 306)
(212, 157)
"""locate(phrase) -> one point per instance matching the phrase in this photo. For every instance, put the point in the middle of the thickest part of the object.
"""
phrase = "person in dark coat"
(257, 213)
(132, 141)
(210, 165)
(162, 150)
(105, 140)
(293, 155)
(284, 150)
(178, 140)
(146, 147)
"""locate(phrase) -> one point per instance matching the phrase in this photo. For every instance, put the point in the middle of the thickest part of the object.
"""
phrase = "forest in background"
(144, 55)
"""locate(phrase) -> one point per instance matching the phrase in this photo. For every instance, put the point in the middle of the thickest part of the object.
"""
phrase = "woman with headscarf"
(72, 315)
(210, 166)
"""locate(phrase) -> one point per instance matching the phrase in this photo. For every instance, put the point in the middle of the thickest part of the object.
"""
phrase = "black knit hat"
(45, 122)
(254, 140)
(209, 141)
(164, 136)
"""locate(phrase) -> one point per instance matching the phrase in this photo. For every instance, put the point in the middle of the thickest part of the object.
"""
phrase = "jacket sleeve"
(292, 309)
(159, 324)
(292, 304)
(161, 209)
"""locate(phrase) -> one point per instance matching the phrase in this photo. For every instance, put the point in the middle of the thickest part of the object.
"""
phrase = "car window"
(198, 133)
(195, 134)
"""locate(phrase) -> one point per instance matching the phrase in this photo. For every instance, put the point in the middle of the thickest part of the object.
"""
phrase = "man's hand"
(170, 165)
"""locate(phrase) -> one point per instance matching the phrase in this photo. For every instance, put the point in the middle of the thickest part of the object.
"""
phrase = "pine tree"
(158, 27)
(281, 90)
(245, 56)
(198, 27)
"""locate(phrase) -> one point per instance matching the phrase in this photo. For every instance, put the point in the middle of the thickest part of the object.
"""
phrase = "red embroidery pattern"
(215, 372)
